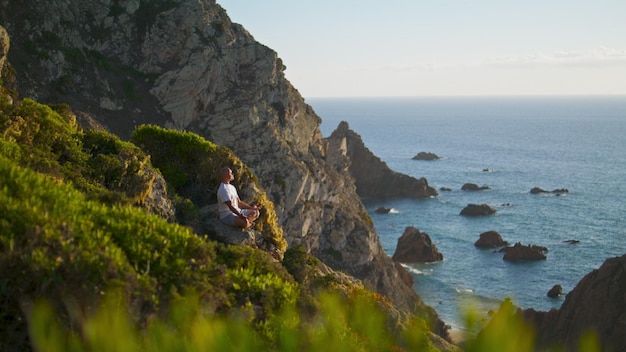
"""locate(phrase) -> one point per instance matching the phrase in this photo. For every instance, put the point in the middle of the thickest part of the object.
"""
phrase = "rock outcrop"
(473, 187)
(373, 178)
(185, 65)
(382, 210)
(558, 191)
(490, 239)
(555, 291)
(477, 210)
(5, 44)
(416, 247)
(519, 252)
(426, 156)
(597, 304)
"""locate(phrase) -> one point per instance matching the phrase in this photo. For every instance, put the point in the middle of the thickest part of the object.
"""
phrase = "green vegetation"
(190, 164)
(342, 325)
(56, 244)
(48, 140)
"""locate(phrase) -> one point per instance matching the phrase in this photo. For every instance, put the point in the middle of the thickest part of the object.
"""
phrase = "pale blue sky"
(443, 47)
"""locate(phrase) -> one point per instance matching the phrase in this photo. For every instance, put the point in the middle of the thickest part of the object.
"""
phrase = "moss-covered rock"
(191, 164)
(49, 140)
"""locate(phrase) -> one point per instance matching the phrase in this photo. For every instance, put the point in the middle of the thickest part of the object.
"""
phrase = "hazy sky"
(442, 47)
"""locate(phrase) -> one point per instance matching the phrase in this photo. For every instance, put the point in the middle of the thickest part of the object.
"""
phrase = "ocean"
(509, 144)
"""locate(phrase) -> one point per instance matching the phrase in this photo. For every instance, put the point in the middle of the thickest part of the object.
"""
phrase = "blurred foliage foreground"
(86, 266)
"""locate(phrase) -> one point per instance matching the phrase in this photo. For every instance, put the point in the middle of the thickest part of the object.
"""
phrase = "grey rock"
(416, 247)
(477, 210)
(426, 156)
(490, 239)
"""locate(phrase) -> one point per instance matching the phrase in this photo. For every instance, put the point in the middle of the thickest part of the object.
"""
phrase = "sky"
(443, 47)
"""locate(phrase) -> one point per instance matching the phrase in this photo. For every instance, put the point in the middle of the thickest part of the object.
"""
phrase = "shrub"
(49, 140)
(341, 325)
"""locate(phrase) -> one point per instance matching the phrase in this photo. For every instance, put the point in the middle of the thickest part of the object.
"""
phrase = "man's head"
(226, 175)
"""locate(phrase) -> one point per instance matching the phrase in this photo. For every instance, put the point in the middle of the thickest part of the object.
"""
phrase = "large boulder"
(555, 291)
(490, 239)
(416, 247)
(220, 232)
(597, 304)
(520, 252)
(478, 210)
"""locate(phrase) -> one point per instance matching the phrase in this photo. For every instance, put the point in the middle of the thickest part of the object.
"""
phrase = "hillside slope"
(184, 65)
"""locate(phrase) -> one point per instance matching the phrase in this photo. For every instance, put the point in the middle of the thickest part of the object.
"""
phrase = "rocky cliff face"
(372, 176)
(183, 64)
(597, 304)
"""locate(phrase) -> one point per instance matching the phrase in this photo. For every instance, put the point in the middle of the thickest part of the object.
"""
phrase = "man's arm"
(232, 208)
(244, 205)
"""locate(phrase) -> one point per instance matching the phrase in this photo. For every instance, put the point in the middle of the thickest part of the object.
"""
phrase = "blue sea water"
(510, 144)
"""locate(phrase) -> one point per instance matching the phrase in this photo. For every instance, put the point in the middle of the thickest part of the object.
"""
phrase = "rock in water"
(490, 239)
(473, 187)
(382, 210)
(478, 210)
(520, 252)
(372, 176)
(426, 156)
(558, 191)
(555, 291)
(416, 247)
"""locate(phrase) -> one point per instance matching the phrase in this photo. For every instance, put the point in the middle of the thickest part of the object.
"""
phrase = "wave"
(416, 271)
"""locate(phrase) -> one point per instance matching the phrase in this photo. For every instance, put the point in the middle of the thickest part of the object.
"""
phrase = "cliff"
(373, 178)
(596, 305)
(185, 65)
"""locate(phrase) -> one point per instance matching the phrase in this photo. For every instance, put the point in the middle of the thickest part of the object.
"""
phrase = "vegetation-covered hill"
(80, 221)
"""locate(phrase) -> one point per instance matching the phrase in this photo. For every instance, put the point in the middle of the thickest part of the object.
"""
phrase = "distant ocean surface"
(510, 144)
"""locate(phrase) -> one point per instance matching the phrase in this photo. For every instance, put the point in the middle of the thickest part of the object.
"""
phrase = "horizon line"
(468, 96)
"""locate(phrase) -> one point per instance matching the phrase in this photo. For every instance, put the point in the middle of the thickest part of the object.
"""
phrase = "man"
(233, 211)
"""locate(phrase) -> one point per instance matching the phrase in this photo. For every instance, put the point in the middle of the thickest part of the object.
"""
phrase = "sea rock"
(473, 187)
(445, 189)
(555, 291)
(478, 210)
(537, 190)
(596, 304)
(416, 247)
(572, 241)
(382, 210)
(426, 156)
(558, 191)
(490, 239)
(520, 252)
(372, 176)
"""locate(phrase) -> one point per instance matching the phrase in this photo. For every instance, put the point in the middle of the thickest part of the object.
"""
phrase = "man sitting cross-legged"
(233, 211)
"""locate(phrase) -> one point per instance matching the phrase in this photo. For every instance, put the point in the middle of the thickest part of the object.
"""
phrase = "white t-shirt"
(227, 192)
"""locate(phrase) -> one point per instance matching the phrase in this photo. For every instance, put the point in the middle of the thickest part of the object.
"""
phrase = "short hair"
(224, 170)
